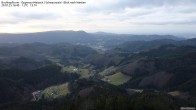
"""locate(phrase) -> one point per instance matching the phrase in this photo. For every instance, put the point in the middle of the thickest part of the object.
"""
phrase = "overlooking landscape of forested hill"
(75, 70)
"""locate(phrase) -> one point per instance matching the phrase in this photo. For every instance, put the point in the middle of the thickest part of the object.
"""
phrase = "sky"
(114, 16)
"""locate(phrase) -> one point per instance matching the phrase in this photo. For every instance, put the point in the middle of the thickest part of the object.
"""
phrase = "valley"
(96, 71)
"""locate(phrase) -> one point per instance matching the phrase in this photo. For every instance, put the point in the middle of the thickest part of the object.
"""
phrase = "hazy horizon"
(180, 35)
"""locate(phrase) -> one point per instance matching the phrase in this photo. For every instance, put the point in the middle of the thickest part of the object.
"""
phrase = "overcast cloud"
(119, 16)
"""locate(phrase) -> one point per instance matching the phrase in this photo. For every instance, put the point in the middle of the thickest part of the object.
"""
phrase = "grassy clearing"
(107, 71)
(118, 78)
(70, 69)
(174, 93)
(179, 94)
(55, 91)
(84, 73)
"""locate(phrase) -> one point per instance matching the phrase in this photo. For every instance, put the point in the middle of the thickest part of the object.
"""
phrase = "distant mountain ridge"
(96, 40)
(45, 37)
(138, 46)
